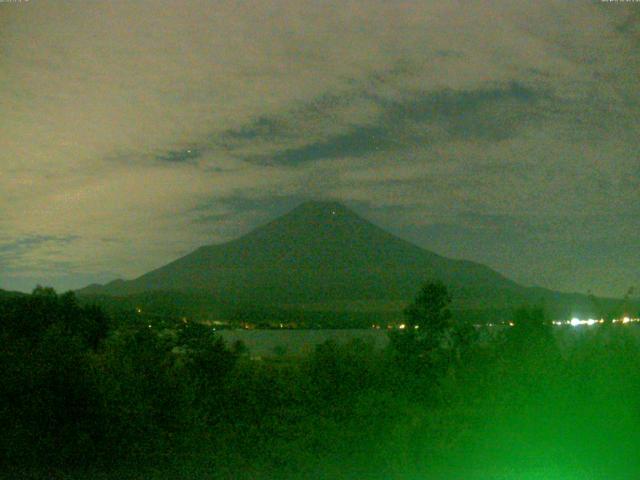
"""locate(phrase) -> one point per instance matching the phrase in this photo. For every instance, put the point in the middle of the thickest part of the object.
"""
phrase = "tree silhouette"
(429, 311)
(428, 328)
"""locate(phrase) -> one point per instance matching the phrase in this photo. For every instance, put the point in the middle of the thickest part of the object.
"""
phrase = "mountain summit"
(323, 254)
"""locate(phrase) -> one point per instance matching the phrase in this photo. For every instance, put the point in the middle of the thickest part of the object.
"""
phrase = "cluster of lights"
(577, 322)
(626, 320)
(391, 326)
(402, 326)
(492, 324)
(574, 322)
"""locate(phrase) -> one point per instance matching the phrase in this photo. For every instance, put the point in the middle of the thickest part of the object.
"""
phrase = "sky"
(503, 132)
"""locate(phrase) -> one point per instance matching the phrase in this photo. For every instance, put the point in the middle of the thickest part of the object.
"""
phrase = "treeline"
(86, 396)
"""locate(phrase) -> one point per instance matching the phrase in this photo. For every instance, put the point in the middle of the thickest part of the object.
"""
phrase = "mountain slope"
(9, 294)
(324, 255)
(320, 251)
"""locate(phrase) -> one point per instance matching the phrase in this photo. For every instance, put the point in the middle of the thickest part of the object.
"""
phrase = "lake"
(267, 343)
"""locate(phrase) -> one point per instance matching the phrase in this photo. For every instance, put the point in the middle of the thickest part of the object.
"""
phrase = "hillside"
(323, 256)
(9, 294)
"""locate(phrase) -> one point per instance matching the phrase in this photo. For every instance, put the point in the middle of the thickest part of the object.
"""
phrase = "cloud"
(488, 113)
(188, 155)
(124, 118)
(38, 253)
(26, 244)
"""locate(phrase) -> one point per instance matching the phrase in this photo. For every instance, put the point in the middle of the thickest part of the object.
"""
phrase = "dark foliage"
(144, 400)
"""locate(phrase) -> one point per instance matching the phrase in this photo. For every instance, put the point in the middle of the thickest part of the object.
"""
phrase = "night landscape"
(320, 240)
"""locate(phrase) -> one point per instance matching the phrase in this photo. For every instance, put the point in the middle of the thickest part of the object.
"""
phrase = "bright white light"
(575, 322)
(402, 326)
(591, 321)
(626, 320)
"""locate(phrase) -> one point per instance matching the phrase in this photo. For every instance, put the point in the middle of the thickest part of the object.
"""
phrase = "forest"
(87, 395)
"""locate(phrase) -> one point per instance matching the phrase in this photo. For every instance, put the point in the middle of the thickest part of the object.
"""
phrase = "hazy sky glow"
(499, 131)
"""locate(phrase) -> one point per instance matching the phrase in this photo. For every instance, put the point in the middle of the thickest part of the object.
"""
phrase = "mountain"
(9, 294)
(323, 256)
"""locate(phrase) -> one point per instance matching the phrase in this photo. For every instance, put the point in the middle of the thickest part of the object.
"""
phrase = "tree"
(47, 400)
(428, 328)
(429, 311)
(207, 363)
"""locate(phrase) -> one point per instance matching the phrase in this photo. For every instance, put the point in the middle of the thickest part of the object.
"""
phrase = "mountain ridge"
(324, 253)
